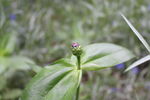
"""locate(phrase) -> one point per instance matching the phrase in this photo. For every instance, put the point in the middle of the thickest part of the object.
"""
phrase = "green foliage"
(138, 62)
(104, 55)
(144, 59)
(61, 80)
(7, 44)
(10, 64)
(57, 81)
(44, 29)
(15, 63)
(9, 61)
(137, 34)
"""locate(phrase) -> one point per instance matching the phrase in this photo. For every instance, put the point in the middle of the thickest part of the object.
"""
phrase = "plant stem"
(78, 58)
(78, 67)
(77, 93)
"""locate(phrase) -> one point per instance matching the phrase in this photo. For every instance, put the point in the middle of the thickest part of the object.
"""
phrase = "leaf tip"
(126, 70)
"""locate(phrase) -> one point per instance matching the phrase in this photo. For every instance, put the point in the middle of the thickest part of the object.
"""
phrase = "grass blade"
(137, 33)
(140, 61)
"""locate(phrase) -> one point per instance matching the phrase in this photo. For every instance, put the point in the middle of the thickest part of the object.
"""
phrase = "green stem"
(78, 67)
(77, 93)
(79, 62)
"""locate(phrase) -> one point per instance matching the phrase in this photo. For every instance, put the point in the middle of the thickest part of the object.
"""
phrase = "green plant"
(144, 59)
(61, 80)
(8, 61)
(10, 64)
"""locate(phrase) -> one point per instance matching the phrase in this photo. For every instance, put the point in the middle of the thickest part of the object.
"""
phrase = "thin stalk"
(77, 93)
(79, 67)
(79, 62)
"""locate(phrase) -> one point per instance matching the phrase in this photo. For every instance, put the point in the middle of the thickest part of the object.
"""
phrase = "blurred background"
(39, 32)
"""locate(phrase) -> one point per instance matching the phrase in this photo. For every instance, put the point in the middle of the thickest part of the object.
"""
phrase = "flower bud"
(76, 49)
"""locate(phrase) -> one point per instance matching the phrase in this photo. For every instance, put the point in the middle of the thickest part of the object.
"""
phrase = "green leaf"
(137, 33)
(54, 82)
(17, 63)
(102, 55)
(64, 62)
(10, 46)
(61, 80)
(34, 67)
(66, 88)
(7, 44)
(140, 61)
(20, 62)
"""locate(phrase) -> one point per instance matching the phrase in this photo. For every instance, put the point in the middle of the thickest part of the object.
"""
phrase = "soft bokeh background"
(42, 31)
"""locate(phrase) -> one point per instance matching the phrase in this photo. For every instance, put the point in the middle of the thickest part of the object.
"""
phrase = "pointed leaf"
(43, 82)
(137, 33)
(102, 55)
(10, 46)
(66, 88)
(7, 44)
(17, 63)
(140, 61)
(64, 62)
(54, 82)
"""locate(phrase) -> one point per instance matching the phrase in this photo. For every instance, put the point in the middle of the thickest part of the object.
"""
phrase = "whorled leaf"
(102, 55)
(55, 82)
(66, 88)
(60, 80)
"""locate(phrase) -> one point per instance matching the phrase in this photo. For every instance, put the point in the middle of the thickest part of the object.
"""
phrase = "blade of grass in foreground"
(142, 60)
(137, 33)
